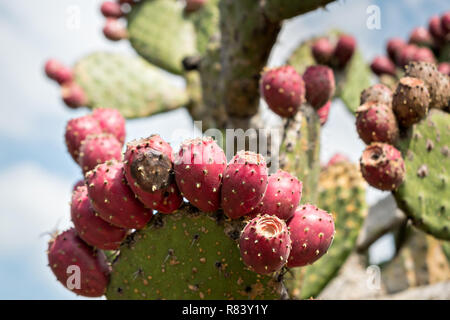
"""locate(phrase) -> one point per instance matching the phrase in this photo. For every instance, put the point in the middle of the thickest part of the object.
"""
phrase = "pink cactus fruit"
(282, 196)
(424, 54)
(376, 122)
(421, 36)
(283, 90)
(407, 54)
(245, 181)
(111, 9)
(98, 148)
(383, 65)
(111, 121)
(90, 227)
(319, 84)
(337, 158)
(323, 113)
(265, 244)
(444, 68)
(382, 166)
(194, 5)
(67, 250)
(149, 173)
(199, 167)
(112, 199)
(345, 48)
(377, 93)
(73, 95)
(77, 130)
(394, 48)
(55, 70)
(322, 50)
(312, 232)
(445, 23)
(77, 184)
(435, 29)
(114, 30)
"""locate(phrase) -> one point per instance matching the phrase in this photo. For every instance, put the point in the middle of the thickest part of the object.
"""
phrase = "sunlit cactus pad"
(187, 255)
(161, 34)
(424, 196)
(341, 192)
(129, 84)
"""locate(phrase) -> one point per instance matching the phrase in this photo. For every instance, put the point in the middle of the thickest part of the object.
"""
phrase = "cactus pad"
(424, 196)
(160, 33)
(341, 192)
(187, 255)
(206, 23)
(129, 84)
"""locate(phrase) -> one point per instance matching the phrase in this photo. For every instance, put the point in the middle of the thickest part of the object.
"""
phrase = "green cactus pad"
(300, 148)
(349, 82)
(354, 79)
(129, 84)
(187, 255)
(424, 196)
(160, 33)
(206, 23)
(341, 192)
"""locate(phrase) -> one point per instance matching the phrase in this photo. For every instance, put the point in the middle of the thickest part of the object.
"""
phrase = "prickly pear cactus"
(129, 84)
(187, 255)
(341, 192)
(350, 81)
(299, 152)
(159, 33)
(424, 196)
(206, 23)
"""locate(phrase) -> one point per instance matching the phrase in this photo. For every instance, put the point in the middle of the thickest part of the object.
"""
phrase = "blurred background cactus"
(202, 61)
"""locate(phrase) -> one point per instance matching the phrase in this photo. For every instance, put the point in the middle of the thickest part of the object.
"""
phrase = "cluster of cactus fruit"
(424, 45)
(156, 224)
(119, 195)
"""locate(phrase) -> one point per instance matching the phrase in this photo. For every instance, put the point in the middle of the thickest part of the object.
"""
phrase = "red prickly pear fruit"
(283, 89)
(55, 70)
(312, 232)
(73, 95)
(111, 121)
(265, 244)
(410, 102)
(111, 9)
(282, 196)
(77, 184)
(322, 50)
(337, 158)
(377, 93)
(67, 251)
(112, 199)
(382, 166)
(406, 54)
(244, 183)
(375, 122)
(421, 37)
(323, 113)
(77, 130)
(194, 5)
(114, 30)
(343, 52)
(424, 54)
(319, 84)
(383, 65)
(199, 167)
(445, 22)
(394, 48)
(444, 68)
(90, 227)
(98, 148)
(435, 29)
(149, 172)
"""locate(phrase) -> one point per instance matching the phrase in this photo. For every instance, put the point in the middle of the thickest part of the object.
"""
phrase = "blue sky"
(36, 172)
